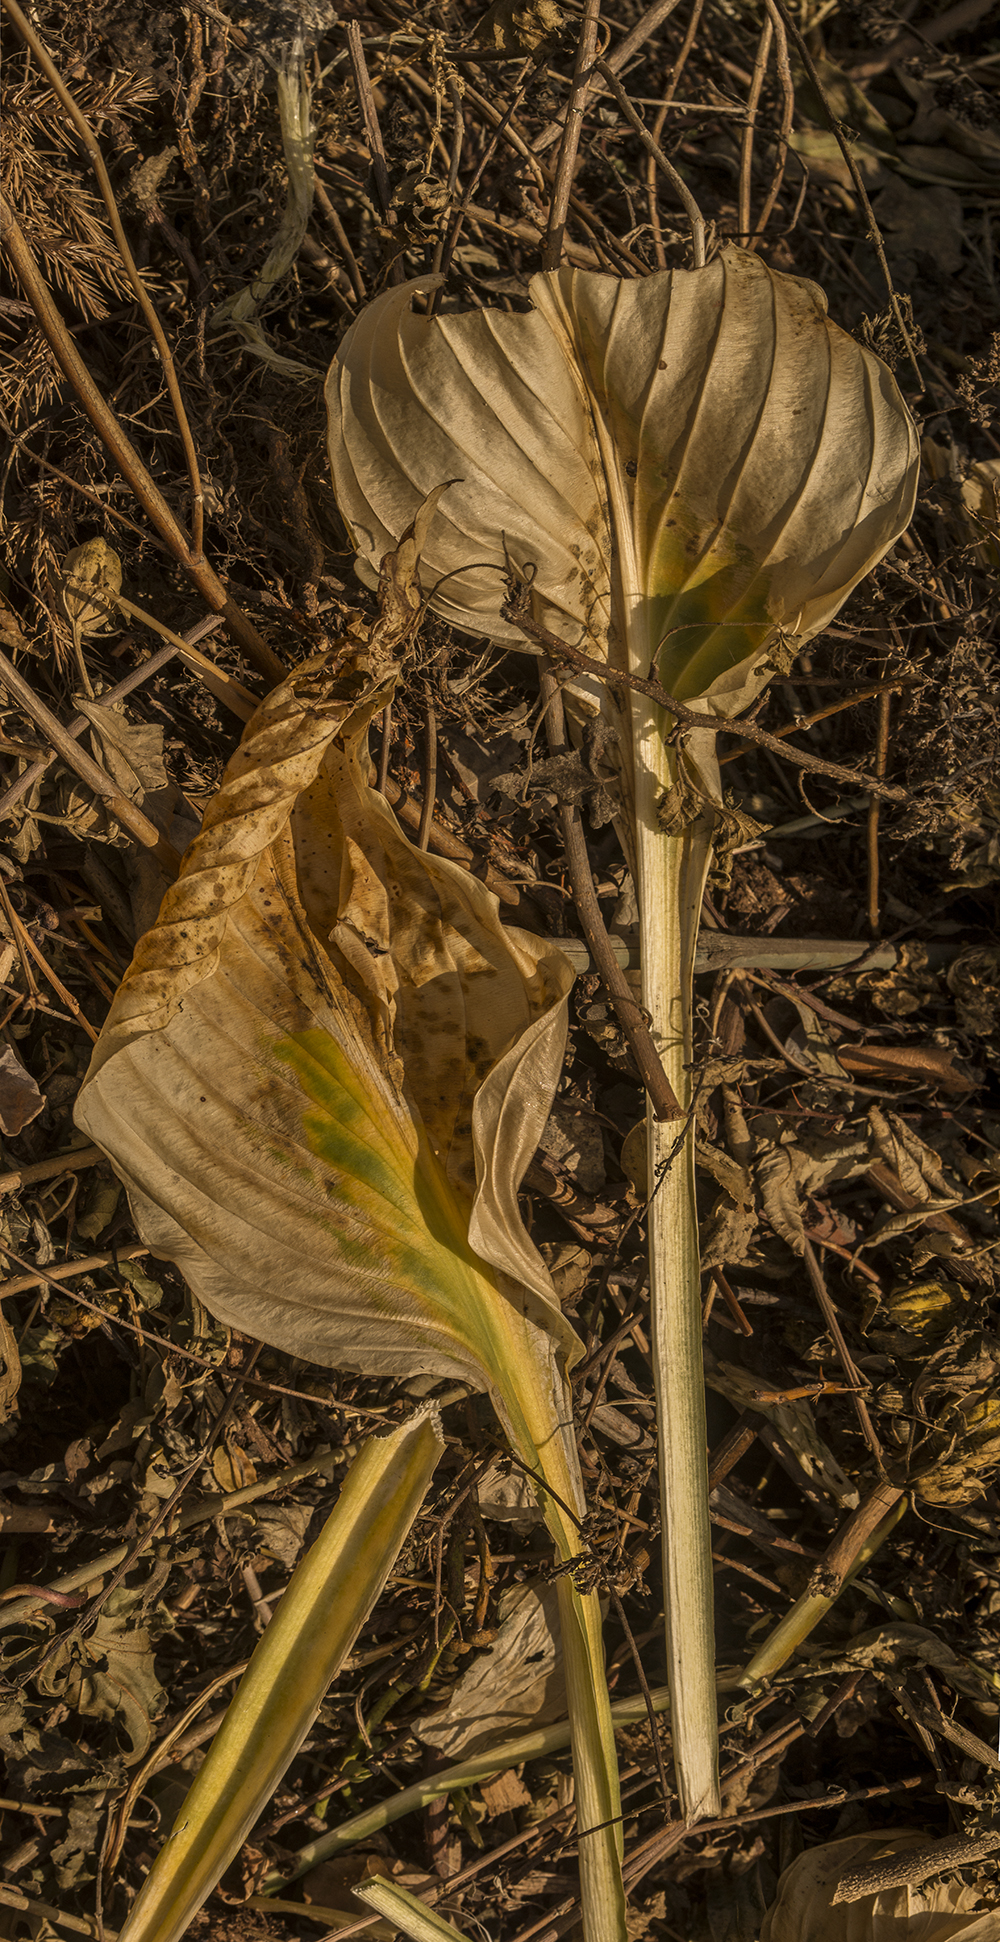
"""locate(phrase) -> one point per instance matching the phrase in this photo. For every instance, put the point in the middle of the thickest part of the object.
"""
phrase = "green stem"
(538, 1418)
(329, 1597)
(866, 1529)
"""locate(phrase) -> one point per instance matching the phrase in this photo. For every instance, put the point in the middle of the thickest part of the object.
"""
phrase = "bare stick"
(618, 58)
(746, 146)
(74, 1161)
(874, 232)
(89, 771)
(96, 159)
(844, 1355)
(556, 226)
(787, 115)
(121, 449)
(661, 116)
(627, 1010)
(19, 789)
(373, 134)
(689, 718)
(677, 182)
(881, 764)
(430, 777)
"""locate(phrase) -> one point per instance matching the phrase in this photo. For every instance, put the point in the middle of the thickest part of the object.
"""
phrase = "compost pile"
(274, 170)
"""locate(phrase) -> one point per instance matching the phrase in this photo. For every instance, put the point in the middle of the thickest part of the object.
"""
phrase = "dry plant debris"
(158, 1488)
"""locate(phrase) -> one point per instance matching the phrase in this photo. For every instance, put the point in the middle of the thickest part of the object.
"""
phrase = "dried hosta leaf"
(806, 1909)
(682, 475)
(594, 427)
(20, 1099)
(501, 1693)
(517, 27)
(970, 1436)
(387, 1029)
(109, 1673)
(322, 1079)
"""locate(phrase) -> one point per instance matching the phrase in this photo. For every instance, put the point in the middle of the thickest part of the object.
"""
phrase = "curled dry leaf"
(20, 1099)
(683, 477)
(703, 451)
(322, 1079)
(320, 1036)
(517, 1684)
(91, 576)
(807, 1909)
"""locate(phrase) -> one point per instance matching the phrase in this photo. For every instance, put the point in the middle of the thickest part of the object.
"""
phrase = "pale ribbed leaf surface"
(753, 460)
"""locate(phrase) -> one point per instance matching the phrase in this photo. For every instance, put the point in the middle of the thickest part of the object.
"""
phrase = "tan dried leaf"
(91, 576)
(502, 1692)
(807, 1909)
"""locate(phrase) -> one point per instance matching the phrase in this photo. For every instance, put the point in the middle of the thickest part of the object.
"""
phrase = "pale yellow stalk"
(328, 1599)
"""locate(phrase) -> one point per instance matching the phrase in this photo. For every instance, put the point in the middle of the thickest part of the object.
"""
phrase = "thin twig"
(661, 116)
(844, 1356)
(823, 714)
(96, 159)
(787, 115)
(373, 135)
(88, 770)
(21, 930)
(676, 180)
(72, 1162)
(555, 229)
(343, 242)
(119, 446)
(746, 146)
(874, 807)
(618, 57)
(369, 115)
(383, 760)
(689, 718)
(627, 1010)
(19, 789)
(430, 771)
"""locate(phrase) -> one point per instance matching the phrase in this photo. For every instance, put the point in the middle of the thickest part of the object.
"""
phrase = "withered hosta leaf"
(288, 1073)
(811, 1906)
(703, 451)
(683, 475)
(322, 1079)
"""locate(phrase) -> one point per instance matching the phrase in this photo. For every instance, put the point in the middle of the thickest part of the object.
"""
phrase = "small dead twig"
(23, 935)
(88, 770)
(689, 718)
(331, 216)
(373, 135)
(844, 1356)
(874, 232)
(555, 229)
(627, 1009)
(430, 774)
(874, 809)
(19, 789)
(72, 1162)
(115, 440)
(823, 714)
(676, 180)
(787, 116)
(749, 127)
(618, 57)
(658, 125)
